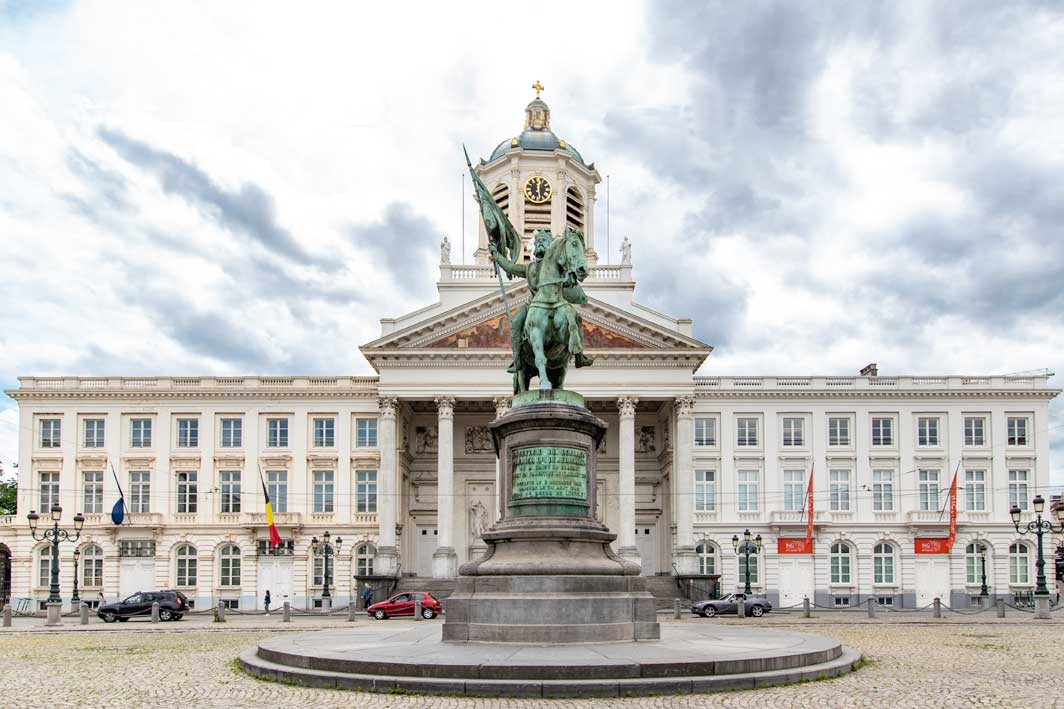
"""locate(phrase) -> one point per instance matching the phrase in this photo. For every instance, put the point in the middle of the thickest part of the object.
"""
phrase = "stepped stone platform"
(411, 656)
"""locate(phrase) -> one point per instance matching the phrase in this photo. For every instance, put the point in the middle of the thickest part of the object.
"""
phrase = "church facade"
(399, 467)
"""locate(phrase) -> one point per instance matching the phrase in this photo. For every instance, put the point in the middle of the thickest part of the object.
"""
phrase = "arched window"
(319, 566)
(230, 566)
(364, 559)
(841, 563)
(754, 575)
(973, 562)
(883, 563)
(707, 559)
(44, 567)
(187, 565)
(92, 566)
(574, 209)
(1019, 565)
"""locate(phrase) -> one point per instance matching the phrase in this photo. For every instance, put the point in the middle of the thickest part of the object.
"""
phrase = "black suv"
(172, 605)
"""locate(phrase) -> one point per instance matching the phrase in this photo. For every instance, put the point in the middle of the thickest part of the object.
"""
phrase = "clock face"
(537, 190)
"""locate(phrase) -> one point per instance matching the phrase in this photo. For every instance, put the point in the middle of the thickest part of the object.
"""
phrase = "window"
(365, 433)
(51, 430)
(707, 558)
(92, 492)
(364, 559)
(187, 565)
(705, 432)
(838, 431)
(139, 491)
(230, 480)
(277, 433)
(1018, 489)
(92, 566)
(973, 563)
(324, 433)
(793, 432)
(975, 490)
(319, 566)
(285, 548)
(928, 481)
(136, 548)
(44, 567)
(705, 490)
(140, 433)
(886, 601)
(231, 604)
(793, 495)
(754, 576)
(93, 433)
(748, 490)
(366, 491)
(232, 433)
(883, 564)
(883, 490)
(230, 565)
(841, 601)
(927, 431)
(840, 490)
(746, 429)
(840, 563)
(974, 431)
(323, 491)
(1017, 431)
(188, 433)
(49, 492)
(1019, 564)
(277, 487)
(187, 492)
(882, 431)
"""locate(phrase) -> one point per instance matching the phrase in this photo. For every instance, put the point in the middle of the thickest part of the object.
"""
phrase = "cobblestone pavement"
(911, 664)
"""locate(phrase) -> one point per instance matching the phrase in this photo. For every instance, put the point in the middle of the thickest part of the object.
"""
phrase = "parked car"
(172, 605)
(403, 604)
(756, 607)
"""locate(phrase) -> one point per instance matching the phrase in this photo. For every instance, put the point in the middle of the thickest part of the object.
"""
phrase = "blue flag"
(118, 512)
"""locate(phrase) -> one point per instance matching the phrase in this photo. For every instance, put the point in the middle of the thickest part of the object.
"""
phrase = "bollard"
(55, 611)
(219, 612)
(805, 607)
(286, 614)
(155, 612)
(740, 610)
(7, 616)
(1001, 608)
(676, 608)
(938, 607)
(84, 613)
(871, 608)
(417, 609)
(351, 611)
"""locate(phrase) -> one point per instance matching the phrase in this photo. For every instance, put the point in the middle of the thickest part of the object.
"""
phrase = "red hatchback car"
(403, 604)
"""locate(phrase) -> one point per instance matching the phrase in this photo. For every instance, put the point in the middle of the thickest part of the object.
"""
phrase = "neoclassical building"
(399, 466)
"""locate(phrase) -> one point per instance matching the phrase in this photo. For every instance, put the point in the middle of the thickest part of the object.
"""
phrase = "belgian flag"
(275, 538)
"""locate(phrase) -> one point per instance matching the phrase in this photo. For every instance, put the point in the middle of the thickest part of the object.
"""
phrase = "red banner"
(809, 506)
(938, 545)
(794, 546)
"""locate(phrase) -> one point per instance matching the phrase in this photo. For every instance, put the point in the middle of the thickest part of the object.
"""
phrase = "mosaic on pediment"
(495, 334)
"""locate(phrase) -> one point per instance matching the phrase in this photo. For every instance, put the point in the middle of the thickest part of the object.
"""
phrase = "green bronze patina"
(547, 331)
(558, 396)
(550, 471)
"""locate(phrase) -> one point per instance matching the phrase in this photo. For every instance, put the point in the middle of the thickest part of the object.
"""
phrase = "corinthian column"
(502, 405)
(386, 562)
(445, 560)
(683, 555)
(626, 547)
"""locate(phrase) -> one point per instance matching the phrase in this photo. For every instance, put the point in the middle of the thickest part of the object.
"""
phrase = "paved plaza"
(913, 661)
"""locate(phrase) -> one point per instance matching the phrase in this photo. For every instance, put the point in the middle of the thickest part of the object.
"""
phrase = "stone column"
(386, 562)
(502, 405)
(626, 547)
(683, 488)
(444, 559)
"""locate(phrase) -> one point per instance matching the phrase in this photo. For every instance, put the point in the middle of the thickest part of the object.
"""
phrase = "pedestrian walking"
(367, 596)
(266, 601)
(100, 599)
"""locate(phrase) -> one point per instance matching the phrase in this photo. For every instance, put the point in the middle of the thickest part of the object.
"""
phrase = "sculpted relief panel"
(478, 440)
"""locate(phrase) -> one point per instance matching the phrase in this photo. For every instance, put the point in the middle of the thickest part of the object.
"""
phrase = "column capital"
(445, 407)
(626, 405)
(685, 406)
(389, 406)
(502, 405)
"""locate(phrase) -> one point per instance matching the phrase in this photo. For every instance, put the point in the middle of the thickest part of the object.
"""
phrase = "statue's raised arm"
(512, 268)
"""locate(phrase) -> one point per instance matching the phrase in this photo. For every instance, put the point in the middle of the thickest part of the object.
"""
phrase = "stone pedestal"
(549, 574)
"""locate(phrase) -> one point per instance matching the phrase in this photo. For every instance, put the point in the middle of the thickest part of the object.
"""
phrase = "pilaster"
(445, 560)
(683, 555)
(626, 547)
(386, 562)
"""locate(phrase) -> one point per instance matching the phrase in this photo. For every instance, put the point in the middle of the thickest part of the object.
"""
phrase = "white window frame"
(187, 492)
(92, 492)
(705, 431)
(93, 431)
(277, 432)
(230, 483)
(975, 489)
(140, 432)
(746, 433)
(1017, 435)
(44, 567)
(707, 559)
(928, 432)
(187, 568)
(883, 564)
(48, 487)
(841, 564)
(50, 432)
(229, 566)
(883, 490)
(975, 431)
(839, 432)
(91, 566)
(749, 490)
(364, 555)
(324, 491)
(324, 431)
(366, 491)
(140, 491)
(277, 486)
(1019, 564)
(929, 482)
(706, 490)
(884, 437)
(972, 571)
(793, 428)
(187, 432)
(232, 432)
(365, 432)
(1019, 481)
(839, 481)
(755, 570)
(793, 490)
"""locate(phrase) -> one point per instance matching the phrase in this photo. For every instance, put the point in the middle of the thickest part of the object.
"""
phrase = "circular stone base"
(697, 657)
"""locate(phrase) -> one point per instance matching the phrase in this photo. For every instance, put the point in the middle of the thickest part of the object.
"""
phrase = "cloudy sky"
(218, 189)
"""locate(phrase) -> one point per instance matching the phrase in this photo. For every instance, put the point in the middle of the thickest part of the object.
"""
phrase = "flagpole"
(121, 495)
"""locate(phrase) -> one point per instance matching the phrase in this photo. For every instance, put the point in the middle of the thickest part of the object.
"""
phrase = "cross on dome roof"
(538, 87)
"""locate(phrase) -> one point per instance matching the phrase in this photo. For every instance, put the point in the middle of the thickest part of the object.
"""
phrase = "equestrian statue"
(547, 330)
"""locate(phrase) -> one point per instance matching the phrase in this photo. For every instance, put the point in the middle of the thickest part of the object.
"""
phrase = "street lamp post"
(746, 548)
(326, 551)
(55, 535)
(1039, 527)
(984, 591)
(74, 598)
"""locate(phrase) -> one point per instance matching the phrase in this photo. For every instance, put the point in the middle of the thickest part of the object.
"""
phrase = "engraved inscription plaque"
(549, 471)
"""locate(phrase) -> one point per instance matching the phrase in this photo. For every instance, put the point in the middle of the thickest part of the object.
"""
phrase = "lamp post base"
(1041, 607)
(55, 611)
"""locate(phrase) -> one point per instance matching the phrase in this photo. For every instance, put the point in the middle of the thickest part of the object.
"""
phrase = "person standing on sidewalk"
(367, 596)
(266, 601)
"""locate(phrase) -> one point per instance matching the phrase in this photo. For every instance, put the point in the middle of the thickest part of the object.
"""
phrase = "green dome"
(537, 134)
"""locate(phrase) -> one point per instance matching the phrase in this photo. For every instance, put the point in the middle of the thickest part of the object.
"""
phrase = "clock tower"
(540, 182)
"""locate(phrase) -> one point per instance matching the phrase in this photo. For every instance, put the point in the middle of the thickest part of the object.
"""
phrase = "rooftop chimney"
(871, 370)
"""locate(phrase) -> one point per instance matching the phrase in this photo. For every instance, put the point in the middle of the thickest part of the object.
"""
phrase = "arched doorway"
(5, 575)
